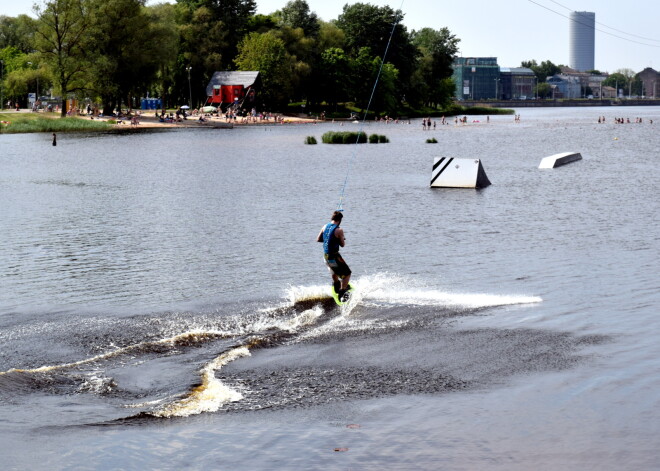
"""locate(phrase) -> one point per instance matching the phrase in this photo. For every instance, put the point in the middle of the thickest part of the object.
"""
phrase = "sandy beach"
(148, 120)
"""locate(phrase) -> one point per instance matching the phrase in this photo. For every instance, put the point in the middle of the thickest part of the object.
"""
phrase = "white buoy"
(556, 160)
(449, 172)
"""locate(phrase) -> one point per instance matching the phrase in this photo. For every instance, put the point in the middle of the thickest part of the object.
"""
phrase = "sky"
(627, 35)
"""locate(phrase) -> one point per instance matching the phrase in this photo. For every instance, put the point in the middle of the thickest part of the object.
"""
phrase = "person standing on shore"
(332, 237)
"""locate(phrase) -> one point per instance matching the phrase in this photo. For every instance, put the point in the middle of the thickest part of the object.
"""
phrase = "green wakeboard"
(346, 297)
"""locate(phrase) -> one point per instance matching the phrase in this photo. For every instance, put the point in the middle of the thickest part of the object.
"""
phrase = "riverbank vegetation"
(113, 53)
(25, 123)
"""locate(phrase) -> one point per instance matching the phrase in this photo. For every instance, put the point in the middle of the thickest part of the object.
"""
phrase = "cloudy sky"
(627, 35)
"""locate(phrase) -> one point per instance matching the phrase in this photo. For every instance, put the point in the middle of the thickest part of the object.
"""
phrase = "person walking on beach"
(332, 237)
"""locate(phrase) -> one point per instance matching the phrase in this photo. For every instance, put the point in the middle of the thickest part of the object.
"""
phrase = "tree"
(334, 68)
(17, 32)
(371, 26)
(437, 50)
(620, 80)
(266, 53)
(543, 90)
(165, 34)
(630, 86)
(124, 62)
(542, 71)
(262, 23)
(616, 80)
(203, 42)
(61, 39)
(301, 52)
(362, 76)
(330, 36)
(296, 14)
(385, 96)
(235, 18)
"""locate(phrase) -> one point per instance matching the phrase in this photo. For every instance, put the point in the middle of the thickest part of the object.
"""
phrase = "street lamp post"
(30, 64)
(2, 85)
(497, 97)
(37, 94)
(189, 87)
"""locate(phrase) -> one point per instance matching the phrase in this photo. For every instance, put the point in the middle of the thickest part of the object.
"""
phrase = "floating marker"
(560, 159)
(449, 172)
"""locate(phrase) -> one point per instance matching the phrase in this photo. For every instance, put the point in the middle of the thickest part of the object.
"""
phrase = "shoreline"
(148, 122)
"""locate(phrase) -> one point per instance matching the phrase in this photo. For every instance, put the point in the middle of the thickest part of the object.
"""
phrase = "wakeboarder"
(332, 237)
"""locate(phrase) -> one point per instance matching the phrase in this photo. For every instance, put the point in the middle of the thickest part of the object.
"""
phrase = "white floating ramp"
(560, 159)
(449, 172)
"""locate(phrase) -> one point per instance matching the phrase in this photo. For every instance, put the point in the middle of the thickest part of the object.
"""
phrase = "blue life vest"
(330, 241)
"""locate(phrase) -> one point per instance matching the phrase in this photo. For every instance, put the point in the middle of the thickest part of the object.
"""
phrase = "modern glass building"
(476, 78)
(582, 31)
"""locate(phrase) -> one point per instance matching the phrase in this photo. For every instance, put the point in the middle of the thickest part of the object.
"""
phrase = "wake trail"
(305, 312)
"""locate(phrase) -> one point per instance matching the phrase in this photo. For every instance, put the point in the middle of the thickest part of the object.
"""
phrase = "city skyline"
(513, 30)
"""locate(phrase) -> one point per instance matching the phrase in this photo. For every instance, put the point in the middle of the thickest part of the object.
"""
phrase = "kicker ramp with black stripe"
(449, 172)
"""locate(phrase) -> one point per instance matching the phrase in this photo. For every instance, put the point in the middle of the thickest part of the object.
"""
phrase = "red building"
(230, 87)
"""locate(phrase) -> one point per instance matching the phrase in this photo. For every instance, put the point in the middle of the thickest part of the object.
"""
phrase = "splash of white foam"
(420, 297)
(296, 294)
(95, 382)
(208, 396)
(395, 289)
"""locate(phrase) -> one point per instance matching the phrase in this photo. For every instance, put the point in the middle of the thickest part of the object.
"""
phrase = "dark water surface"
(163, 304)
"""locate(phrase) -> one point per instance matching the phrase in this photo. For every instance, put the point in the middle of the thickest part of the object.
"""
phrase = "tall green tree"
(330, 35)
(385, 96)
(17, 32)
(165, 35)
(124, 62)
(267, 54)
(301, 50)
(235, 17)
(296, 14)
(370, 26)
(204, 42)
(334, 70)
(438, 49)
(62, 41)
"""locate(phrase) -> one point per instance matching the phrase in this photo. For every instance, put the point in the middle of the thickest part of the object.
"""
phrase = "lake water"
(164, 304)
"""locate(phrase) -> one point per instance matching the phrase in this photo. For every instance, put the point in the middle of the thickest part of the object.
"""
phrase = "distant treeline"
(113, 53)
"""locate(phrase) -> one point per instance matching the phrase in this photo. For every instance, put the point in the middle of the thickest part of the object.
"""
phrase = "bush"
(378, 138)
(310, 140)
(432, 140)
(347, 137)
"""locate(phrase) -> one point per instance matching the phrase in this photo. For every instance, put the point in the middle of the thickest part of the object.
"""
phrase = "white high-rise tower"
(582, 29)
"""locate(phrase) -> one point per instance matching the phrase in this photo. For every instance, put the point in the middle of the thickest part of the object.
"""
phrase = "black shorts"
(337, 265)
